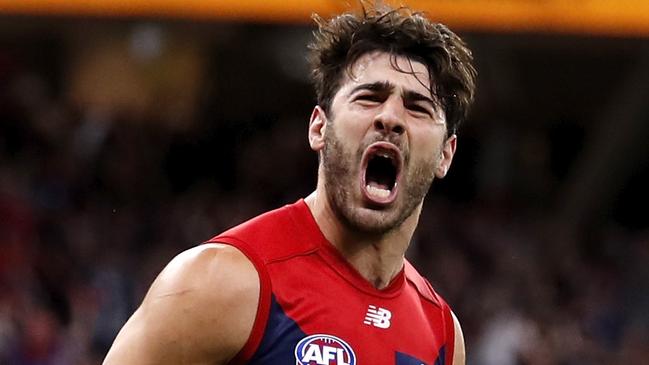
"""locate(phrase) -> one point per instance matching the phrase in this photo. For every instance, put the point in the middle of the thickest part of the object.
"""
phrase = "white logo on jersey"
(324, 349)
(377, 317)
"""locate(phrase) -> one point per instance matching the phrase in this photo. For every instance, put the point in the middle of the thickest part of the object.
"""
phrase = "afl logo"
(324, 350)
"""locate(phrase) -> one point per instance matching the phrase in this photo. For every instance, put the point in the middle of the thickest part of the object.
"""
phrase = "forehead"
(400, 71)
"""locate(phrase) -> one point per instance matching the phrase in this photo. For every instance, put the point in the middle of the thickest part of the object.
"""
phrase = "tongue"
(378, 190)
(378, 185)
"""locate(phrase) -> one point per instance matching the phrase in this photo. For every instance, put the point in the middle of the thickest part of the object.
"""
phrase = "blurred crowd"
(94, 202)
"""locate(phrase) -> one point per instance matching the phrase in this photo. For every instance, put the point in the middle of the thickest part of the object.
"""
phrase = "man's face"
(384, 144)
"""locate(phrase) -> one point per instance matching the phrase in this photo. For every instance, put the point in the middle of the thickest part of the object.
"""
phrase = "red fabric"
(450, 336)
(263, 307)
(323, 294)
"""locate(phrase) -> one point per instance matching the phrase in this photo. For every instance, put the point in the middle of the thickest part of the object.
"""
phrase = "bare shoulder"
(200, 309)
(459, 354)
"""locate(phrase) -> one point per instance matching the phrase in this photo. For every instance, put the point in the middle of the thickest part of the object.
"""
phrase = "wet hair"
(340, 41)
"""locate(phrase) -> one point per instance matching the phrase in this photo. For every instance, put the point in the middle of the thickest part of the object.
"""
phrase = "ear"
(446, 156)
(317, 127)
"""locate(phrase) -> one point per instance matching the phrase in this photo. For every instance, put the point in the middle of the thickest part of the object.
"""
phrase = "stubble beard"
(341, 174)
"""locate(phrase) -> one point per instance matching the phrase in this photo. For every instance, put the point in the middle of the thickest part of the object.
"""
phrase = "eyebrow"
(415, 96)
(378, 86)
(386, 87)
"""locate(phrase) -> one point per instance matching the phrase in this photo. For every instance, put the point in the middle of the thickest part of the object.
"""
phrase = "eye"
(368, 98)
(419, 109)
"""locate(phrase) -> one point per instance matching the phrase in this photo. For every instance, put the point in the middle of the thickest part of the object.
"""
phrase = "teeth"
(378, 192)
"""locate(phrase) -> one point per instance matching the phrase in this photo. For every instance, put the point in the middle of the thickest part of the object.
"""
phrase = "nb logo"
(377, 317)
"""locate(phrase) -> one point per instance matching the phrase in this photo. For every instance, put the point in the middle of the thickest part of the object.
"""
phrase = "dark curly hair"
(340, 41)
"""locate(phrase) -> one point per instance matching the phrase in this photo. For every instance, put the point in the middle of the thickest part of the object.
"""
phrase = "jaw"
(341, 211)
(358, 224)
(342, 184)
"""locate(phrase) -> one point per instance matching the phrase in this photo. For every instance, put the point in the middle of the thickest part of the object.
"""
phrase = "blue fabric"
(280, 337)
(405, 359)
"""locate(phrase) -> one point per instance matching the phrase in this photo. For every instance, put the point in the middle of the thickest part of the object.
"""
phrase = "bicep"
(200, 309)
(138, 342)
(161, 331)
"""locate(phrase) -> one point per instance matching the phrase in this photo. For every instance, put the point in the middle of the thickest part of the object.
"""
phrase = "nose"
(390, 119)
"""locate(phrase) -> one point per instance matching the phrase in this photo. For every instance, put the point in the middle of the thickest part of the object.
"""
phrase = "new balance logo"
(377, 317)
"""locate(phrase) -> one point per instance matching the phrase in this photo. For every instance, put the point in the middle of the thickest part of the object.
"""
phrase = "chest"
(318, 317)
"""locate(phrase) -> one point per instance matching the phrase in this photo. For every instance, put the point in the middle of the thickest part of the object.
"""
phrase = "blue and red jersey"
(316, 309)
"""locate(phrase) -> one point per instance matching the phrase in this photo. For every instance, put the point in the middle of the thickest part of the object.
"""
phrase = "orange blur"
(600, 17)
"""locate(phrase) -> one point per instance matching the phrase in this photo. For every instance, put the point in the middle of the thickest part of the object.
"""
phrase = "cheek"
(426, 145)
(350, 135)
(340, 146)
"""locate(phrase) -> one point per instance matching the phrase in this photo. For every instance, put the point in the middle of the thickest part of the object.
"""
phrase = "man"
(324, 280)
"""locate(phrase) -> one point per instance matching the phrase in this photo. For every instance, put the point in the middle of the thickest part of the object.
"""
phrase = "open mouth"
(380, 173)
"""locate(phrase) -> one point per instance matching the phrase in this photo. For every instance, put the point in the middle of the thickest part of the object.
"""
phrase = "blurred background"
(130, 131)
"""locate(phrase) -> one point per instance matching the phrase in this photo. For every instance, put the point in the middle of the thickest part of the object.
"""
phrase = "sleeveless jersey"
(316, 309)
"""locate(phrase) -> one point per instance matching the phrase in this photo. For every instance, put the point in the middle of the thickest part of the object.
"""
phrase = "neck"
(377, 257)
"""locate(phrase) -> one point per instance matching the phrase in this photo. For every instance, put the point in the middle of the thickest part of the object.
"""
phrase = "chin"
(370, 220)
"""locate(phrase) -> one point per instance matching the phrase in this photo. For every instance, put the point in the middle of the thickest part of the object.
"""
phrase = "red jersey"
(316, 309)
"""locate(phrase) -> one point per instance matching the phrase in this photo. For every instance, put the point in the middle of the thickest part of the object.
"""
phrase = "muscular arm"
(199, 310)
(459, 356)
